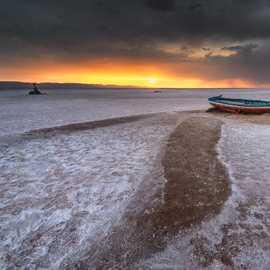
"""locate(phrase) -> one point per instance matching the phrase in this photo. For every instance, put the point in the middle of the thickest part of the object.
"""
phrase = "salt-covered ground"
(246, 151)
(19, 112)
(61, 194)
(239, 237)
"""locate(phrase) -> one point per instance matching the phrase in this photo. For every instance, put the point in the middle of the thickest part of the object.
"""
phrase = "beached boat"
(240, 105)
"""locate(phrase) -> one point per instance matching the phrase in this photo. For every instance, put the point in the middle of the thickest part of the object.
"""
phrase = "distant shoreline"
(16, 85)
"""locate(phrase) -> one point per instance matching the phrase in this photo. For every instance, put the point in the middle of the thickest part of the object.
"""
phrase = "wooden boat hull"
(240, 105)
(240, 109)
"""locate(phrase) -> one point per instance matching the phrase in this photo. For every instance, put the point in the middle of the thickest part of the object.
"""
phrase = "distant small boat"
(240, 105)
(35, 90)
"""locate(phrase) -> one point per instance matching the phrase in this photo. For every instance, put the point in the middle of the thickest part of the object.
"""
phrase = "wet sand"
(197, 183)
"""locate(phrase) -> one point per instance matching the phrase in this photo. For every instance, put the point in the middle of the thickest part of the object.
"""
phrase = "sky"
(148, 43)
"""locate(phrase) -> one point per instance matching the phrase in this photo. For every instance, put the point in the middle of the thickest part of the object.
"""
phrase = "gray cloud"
(242, 50)
(249, 62)
(124, 28)
(161, 5)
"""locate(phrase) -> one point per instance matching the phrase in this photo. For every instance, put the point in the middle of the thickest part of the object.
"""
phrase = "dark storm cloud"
(83, 23)
(249, 62)
(127, 28)
(242, 50)
(161, 5)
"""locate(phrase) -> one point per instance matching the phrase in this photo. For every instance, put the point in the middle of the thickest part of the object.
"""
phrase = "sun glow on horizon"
(117, 74)
(152, 80)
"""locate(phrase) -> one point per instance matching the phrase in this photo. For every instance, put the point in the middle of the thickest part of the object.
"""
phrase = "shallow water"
(19, 112)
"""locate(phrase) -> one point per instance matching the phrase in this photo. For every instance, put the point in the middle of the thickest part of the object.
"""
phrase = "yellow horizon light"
(120, 75)
(152, 80)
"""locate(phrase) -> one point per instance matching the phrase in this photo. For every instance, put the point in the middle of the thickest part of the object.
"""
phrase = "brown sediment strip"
(87, 125)
(95, 124)
(196, 188)
(197, 184)
(70, 128)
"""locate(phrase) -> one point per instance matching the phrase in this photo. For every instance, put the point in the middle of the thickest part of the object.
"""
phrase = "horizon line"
(112, 86)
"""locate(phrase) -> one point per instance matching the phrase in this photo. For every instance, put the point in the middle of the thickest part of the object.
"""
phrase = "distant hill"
(6, 85)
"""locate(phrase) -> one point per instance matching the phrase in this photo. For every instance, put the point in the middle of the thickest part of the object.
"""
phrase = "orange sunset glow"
(147, 43)
(140, 75)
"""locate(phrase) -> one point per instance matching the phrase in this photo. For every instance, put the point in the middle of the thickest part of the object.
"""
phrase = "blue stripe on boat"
(257, 103)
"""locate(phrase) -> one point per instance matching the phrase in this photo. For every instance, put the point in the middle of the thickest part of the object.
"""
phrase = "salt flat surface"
(19, 112)
(239, 237)
(246, 151)
(60, 195)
